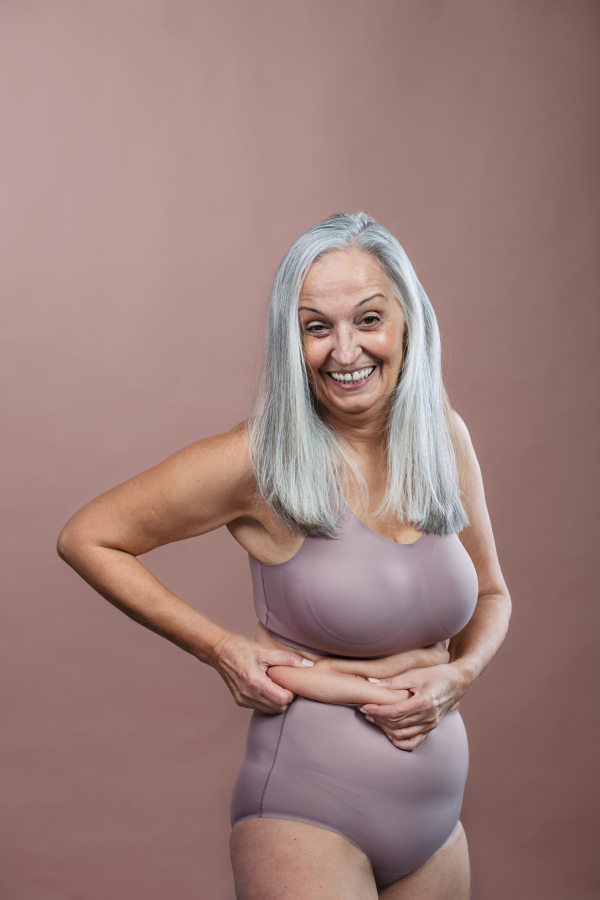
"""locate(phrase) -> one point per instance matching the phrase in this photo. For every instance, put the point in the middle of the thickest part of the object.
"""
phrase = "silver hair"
(300, 464)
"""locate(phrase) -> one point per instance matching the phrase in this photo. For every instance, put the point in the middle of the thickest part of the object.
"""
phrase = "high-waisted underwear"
(360, 595)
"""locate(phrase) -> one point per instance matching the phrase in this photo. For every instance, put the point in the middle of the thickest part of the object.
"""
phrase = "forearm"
(128, 584)
(473, 648)
(324, 684)
(388, 666)
(385, 667)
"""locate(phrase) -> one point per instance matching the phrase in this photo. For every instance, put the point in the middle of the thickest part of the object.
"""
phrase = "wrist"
(465, 673)
(215, 649)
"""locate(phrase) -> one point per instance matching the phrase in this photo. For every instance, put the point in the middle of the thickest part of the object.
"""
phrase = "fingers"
(243, 666)
(385, 682)
(404, 738)
(282, 658)
(393, 712)
(278, 695)
(266, 697)
(404, 722)
(410, 744)
(397, 683)
(256, 690)
(271, 693)
(398, 735)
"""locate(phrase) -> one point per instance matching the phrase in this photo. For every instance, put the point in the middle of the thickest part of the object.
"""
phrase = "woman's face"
(352, 332)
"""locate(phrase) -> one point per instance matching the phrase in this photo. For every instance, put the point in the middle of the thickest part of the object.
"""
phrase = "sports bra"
(361, 595)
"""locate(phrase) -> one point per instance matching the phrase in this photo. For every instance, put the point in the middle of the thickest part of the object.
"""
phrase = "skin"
(356, 681)
(350, 320)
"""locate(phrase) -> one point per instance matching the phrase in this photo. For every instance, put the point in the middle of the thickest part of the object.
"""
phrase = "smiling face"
(352, 334)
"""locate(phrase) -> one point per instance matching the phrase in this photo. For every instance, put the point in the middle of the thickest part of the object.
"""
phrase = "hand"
(435, 691)
(243, 664)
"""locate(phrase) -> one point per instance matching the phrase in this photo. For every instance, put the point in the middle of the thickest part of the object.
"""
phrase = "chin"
(352, 405)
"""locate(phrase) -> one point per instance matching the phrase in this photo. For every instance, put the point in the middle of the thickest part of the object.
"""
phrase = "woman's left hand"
(435, 690)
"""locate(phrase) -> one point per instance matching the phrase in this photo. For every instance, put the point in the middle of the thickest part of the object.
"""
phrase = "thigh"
(445, 876)
(274, 859)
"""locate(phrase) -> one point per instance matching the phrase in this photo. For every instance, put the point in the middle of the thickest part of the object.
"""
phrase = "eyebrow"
(362, 302)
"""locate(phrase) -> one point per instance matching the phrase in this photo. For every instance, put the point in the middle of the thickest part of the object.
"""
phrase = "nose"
(346, 349)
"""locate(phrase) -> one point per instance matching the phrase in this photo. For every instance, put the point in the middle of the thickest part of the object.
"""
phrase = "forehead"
(353, 274)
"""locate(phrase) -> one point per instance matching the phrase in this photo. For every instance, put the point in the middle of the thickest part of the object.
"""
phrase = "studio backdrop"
(157, 159)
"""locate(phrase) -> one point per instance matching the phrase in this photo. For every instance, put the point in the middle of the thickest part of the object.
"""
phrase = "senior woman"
(356, 492)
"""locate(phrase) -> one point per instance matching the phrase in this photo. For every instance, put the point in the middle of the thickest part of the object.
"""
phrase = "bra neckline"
(361, 523)
(380, 536)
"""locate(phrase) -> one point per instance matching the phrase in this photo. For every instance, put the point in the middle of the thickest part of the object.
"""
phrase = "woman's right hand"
(243, 664)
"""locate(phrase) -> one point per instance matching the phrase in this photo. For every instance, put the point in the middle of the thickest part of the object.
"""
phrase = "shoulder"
(459, 433)
(479, 531)
(230, 451)
(221, 462)
(477, 537)
(461, 441)
(467, 465)
(200, 488)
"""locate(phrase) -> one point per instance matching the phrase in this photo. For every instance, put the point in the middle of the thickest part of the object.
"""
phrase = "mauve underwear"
(360, 595)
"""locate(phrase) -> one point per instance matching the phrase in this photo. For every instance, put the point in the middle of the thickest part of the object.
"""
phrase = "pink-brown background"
(157, 159)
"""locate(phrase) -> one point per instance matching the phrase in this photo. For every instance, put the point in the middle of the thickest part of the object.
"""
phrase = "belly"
(327, 766)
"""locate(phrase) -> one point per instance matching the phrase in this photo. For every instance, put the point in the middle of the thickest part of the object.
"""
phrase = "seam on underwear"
(262, 579)
(273, 763)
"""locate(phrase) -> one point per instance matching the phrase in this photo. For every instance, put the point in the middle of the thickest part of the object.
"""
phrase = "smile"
(359, 376)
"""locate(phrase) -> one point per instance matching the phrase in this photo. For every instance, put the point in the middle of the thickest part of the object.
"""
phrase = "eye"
(371, 319)
(315, 328)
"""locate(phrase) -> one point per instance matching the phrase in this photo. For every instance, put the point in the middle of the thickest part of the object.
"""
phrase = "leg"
(445, 876)
(280, 858)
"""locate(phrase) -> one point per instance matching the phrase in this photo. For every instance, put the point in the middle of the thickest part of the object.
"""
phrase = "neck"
(365, 435)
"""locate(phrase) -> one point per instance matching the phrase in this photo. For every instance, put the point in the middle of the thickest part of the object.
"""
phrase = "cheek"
(314, 354)
(387, 345)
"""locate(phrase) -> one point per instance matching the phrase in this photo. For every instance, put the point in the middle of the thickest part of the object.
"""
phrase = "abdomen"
(327, 766)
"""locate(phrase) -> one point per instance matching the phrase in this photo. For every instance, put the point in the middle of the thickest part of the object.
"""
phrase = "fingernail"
(374, 680)
(369, 719)
(389, 737)
(362, 710)
(307, 662)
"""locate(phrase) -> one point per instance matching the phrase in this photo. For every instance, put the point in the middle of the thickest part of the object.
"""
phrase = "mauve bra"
(360, 595)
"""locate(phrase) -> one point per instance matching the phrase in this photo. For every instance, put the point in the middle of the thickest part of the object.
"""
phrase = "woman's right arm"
(197, 490)
(389, 666)
(335, 679)
(324, 684)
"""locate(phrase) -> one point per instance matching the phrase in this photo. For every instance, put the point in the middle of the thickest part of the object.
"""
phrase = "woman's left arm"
(434, 691)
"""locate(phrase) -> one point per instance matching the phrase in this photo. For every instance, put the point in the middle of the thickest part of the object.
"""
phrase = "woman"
(357, 494)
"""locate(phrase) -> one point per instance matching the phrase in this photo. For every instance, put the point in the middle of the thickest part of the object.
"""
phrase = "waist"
(294, 645)
(270, 639)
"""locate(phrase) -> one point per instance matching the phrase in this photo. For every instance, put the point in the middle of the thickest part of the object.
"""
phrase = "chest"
(363, 595)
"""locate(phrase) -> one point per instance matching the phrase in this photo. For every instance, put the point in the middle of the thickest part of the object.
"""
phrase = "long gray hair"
(300, 464)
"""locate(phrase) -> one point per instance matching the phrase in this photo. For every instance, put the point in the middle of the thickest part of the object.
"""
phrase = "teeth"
(354, 376)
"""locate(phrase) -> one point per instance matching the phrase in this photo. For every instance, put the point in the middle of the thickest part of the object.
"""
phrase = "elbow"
(68, 543)
(63, 545)
(507, 603)
(505, 607)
